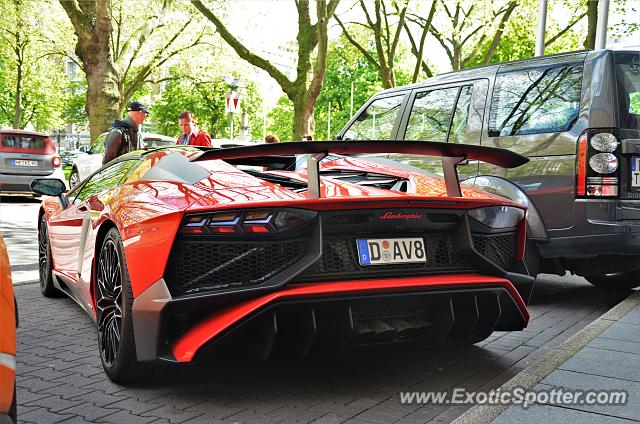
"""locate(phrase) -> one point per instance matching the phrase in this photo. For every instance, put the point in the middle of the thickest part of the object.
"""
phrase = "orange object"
(7, 337)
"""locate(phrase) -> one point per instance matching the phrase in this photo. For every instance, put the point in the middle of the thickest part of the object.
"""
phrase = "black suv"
(575, 115)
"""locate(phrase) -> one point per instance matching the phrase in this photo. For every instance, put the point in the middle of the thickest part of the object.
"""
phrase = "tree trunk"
(18, 110)
(92, 24)
(102, 98)
(592, 19)
(303, 123)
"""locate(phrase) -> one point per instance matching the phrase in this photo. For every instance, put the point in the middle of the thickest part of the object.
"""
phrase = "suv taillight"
(55, 161)
(598, 164)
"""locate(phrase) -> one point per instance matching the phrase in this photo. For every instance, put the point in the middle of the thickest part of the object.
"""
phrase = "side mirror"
(48, 186)
(337, 137)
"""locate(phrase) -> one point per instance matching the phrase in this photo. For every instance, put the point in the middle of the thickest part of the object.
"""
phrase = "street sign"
(232, 104)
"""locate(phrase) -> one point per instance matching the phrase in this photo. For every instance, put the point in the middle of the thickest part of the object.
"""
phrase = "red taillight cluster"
(252, 221)
(597, 167)
(55, 161)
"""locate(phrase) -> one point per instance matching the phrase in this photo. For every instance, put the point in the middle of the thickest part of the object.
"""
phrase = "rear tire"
(114, 304)
(45, 261)
(623, 280)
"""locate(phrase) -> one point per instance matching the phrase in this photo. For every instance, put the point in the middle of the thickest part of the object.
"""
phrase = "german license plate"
(635, 171)
(391, 251)
(20, 162)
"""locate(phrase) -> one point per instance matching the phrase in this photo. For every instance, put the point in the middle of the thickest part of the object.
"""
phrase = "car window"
(377, 121)
(535, 101)
(23, 142)
(97, 146)
(431, 115)
(106, 179)
(458, 131)
(628, 82)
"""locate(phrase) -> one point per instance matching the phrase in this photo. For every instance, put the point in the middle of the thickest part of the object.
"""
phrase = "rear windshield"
(23, 142)
(628, 81)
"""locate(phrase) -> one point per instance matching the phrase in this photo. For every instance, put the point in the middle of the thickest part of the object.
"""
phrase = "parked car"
(8, 323)
(24, 156)
(85, 165)
(69, 156)
(575, 115)
(183, 251)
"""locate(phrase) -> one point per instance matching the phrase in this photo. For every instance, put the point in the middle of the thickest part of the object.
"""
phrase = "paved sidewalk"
(605, 355)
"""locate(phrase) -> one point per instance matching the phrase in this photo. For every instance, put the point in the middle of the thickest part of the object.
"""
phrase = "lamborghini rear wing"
(452, 155)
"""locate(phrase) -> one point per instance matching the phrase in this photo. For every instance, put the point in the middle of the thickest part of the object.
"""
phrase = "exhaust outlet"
(402, 327)
(362, 330)
(381, 328)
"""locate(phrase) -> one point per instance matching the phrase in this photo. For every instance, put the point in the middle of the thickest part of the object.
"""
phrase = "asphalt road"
(60, 379)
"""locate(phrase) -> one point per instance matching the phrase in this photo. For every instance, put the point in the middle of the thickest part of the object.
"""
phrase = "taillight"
(55, 161)
(252, 221)
(598, 164)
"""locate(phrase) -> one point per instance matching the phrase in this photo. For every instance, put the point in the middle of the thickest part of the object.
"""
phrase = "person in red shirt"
(191, 134)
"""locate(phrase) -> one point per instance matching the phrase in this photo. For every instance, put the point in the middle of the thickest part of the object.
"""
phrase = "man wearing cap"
(124, 136)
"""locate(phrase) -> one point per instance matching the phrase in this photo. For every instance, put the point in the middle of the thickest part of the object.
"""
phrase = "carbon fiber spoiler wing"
(451, 154)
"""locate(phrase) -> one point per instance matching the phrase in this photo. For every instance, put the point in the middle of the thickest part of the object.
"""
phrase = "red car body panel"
(148, 215)
(187, 346)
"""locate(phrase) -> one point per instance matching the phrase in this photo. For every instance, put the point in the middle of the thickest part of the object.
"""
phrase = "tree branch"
(357, 45)
(564, 30)
(242, 51)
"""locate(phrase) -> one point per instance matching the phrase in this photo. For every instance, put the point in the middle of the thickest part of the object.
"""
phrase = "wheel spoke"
(109, 302)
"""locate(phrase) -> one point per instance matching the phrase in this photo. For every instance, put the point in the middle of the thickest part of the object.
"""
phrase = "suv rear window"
(628, 81)
(535, 101)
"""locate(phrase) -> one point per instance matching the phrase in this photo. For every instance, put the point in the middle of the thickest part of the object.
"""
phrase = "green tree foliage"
(280, 119)
(345, 65)
(205, 98)
(32, 81)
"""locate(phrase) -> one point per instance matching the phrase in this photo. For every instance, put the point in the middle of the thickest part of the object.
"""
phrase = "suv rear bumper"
(602, 227)
(11, 183)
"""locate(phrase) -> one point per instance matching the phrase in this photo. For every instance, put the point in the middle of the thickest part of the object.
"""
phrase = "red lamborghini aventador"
(181, 250)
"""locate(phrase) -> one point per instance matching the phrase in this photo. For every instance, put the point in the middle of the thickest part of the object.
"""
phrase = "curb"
(535, 373)
(25, 283)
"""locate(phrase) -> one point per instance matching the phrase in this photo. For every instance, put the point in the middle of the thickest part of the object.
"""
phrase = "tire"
(623, 280)
(45, 262)
(114, 321)
(74, 178)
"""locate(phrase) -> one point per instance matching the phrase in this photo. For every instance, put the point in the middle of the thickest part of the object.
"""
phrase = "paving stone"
(633, 317)
(172, 414)
(607, 363)
(622, 331)
(574, 380)
(42, 416)
(125, 417)
(89, 412)
(545, 414)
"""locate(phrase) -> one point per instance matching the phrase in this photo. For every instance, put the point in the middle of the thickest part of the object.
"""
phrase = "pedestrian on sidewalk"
(124, 136)
(191, 134)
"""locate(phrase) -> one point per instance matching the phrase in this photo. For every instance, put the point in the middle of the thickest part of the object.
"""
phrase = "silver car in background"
(24, 156)
(85, 165)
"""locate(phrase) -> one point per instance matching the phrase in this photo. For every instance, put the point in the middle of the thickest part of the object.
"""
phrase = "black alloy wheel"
(114, 316)
(109, 302)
